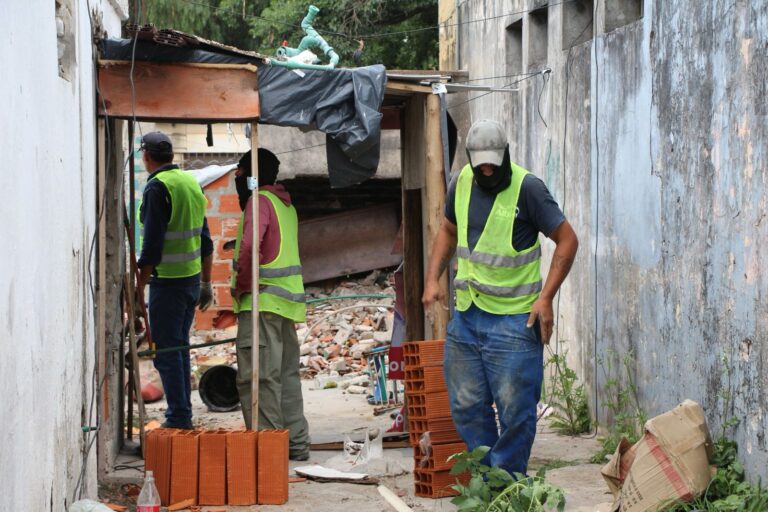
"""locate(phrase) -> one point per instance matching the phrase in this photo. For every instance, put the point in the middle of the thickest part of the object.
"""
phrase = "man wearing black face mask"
(494, 213)
(281, 304)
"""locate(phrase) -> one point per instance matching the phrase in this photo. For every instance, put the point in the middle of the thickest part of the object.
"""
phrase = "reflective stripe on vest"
(281, 287)
(182, 244)
(494, 276)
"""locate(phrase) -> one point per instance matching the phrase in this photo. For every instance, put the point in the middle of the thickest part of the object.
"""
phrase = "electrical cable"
(503, 87)
(378, 34)
(597, 208)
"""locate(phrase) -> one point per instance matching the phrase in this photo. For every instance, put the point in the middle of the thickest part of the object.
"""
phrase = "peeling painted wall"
(653, 139)
(47, 141)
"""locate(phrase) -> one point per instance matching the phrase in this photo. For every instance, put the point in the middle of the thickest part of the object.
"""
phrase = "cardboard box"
(670, 462)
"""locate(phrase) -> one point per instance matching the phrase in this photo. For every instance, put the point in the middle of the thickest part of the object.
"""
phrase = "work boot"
(302, 456)
(183, 426)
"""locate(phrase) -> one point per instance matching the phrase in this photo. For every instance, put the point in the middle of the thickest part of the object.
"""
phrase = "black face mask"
(243, 192)
(499, 180)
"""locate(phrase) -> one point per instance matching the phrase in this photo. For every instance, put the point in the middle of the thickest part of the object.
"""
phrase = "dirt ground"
(332, 412)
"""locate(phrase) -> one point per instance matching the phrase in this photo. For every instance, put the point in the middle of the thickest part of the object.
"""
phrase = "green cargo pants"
(280, 402)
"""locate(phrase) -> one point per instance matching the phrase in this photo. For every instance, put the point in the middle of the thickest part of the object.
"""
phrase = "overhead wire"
(376, 34)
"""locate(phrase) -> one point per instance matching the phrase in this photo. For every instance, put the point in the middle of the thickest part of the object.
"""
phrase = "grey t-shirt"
(537, 212)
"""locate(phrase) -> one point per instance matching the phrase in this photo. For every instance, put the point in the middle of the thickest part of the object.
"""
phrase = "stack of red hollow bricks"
(431, 430)
(219, 467)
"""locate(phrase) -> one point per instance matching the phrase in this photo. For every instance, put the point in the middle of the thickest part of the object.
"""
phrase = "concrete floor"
(332, 412)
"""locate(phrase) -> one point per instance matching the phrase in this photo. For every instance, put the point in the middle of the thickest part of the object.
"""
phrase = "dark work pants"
(171, 311)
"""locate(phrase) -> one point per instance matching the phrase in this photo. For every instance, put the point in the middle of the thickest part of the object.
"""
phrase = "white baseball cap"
(486, 142)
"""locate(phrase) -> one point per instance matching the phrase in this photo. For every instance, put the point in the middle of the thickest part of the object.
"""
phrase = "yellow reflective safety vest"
(493, 275)
(281, 287)
(181, 246)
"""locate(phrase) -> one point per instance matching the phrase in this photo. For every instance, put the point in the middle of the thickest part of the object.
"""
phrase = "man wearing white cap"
(494, 213)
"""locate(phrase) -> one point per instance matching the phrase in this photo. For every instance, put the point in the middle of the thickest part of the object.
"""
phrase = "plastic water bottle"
(149, 498)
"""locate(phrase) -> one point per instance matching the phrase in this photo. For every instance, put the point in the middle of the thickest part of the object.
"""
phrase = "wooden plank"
(407, 87)
(433, 203)
(178, 92)
(255, 279)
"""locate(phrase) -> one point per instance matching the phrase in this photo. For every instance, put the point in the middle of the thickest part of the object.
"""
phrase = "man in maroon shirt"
(280, 399)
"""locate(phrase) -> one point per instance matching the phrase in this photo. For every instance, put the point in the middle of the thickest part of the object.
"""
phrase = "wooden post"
(255, 278)
(433, 207)
(100, 354)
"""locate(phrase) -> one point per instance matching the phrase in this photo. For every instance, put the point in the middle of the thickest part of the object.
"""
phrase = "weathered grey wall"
(654, 144)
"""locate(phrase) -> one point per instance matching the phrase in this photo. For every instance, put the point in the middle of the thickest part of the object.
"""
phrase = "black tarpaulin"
(343, 103)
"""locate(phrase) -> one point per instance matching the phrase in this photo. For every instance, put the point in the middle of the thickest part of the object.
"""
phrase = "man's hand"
(542, 310)
(432, 293)
(206, 296)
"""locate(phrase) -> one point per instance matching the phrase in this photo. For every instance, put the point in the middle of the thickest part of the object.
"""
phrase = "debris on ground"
(335, 339)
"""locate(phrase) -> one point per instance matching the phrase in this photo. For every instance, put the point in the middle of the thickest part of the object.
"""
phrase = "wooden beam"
(433, 204)
(177, 92)
(407, 87)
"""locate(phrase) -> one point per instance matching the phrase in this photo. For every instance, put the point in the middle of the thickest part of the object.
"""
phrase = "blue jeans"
(495, 359)
(171, 311)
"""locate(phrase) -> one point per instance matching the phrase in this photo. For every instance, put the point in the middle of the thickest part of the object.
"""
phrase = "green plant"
(492, 489)
(623, 405)
(727, 491)
(568, 399)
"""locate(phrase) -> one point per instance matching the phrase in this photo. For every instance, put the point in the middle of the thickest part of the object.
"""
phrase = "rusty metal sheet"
(350, 242)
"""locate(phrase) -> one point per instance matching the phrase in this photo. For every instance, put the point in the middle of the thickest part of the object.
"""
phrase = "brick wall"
(223, 217)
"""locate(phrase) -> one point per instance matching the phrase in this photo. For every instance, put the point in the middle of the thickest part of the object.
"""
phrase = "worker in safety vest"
(176, 252)
(494, 213)
(281, 304)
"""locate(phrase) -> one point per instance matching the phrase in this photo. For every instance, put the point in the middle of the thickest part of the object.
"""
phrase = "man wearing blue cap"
(176, 251)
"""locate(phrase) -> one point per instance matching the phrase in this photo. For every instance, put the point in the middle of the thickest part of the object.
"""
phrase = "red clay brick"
(428, 379)
(428, 405)
(438, 458)
(423, 353)
(204, 319)
(157, 458)
(184, 466)
(212, 489)
(214, 226)
(229, 227)
(441, 430)
(222, 182)
(436, 484)
(241, 467)
(223, 296)
(229, 203)
(220, 273)
(273, 467)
